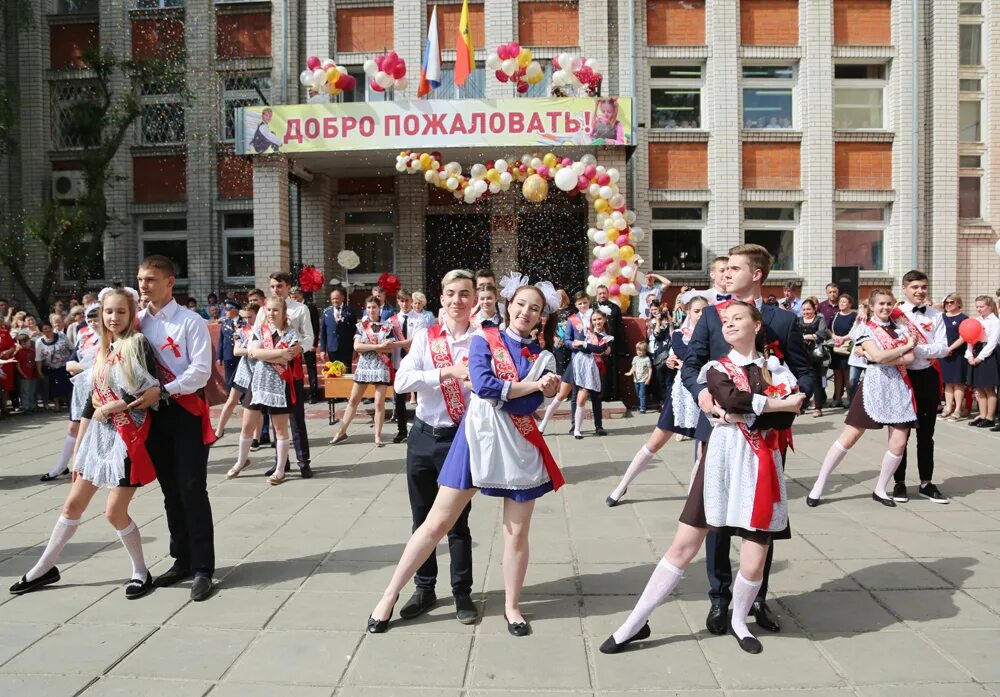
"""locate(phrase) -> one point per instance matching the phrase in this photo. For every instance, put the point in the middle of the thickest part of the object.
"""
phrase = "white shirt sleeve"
(992, 327)
(199, 370)
(305, 330)
(414, 374)
(937, 342)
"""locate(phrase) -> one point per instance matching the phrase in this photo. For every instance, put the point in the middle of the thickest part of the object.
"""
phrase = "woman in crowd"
(112, 449)
(983, 372)
(509, 374)
(52, 351)
(420, 307)
(885, 398)
(561, 349)
(954, 366)
(244, 371)
(840, 332)
(658, 333)
(8, 347)
(588, 367)
(814, 331)
(576, 328)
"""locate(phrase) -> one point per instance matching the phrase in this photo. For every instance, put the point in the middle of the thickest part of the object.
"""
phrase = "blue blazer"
(707, 344)
(224, 350)
(333, 334)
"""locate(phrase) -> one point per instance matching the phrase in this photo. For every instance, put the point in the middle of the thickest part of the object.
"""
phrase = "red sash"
(141, 470)
(284, 372)
(451, 389)
(371, 338)
(899, 315)
(577, 321)
(887, 341)
(193, 403)
(526, 426)
(768, 489)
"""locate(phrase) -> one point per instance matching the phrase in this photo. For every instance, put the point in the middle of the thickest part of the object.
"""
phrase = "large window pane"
(675, 72)
(173, 249)
(969, 129)
(239, 257)
(780, 243)
(767, 108)
(755, 213)
(857, 107)
(970, 49)
(969, 197)
(677, 250)
(862, 248)
(374, 249)
(675, 108)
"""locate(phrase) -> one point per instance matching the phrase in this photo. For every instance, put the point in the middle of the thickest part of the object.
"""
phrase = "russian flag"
(430, 69)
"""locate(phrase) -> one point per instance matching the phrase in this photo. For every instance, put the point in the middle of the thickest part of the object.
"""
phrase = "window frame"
(83, 243)
(240, 95)
(57, 106)
(863, 83)
(391, 227)
(234, 232)
(972, 21)
(677, 83)
(155, 4)
(167, 98)
(863, 226)
(791, 226)
(172, 235)
(791, 84)
(657, 225)
(76, 7)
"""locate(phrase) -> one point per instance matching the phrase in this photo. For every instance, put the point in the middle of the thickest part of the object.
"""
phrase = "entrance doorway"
(552, 242)
(460, 240)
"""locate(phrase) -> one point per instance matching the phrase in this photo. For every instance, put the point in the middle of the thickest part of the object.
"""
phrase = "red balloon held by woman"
(971, 330)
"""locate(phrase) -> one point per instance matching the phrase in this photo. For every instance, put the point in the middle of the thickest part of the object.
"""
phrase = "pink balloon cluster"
(571, 70)
(324, 77)
(387, 71)
(515, 64)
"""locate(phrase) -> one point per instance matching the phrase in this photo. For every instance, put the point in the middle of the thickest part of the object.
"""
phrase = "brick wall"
(159, 179)
(548, 24)
(678, 165)
(235, 176)
(769, 22)
(863, 166)
(367, 29)
(243, 35)
(67, 42)
(771, 166)
(157, 38)
(675, 23)
(862, 22)
(448, 18)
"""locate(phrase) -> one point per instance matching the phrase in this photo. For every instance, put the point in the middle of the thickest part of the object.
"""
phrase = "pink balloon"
(375, 86)
(582, 183)
(379, 60)
(312, 62)
(596, 267)
(522, 87)
(501, 76)
(543, 172)
(614, 289)
(567, 162)
(513, 48)
(399, 70)
(603, 179)
(622, 240)
(589, 171)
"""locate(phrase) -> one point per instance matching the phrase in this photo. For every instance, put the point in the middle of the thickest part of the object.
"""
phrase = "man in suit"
(619, 349)
(224, 351)
(387, 310)
(337, 326)
(745, 271)
(309, 357)
(409, 322)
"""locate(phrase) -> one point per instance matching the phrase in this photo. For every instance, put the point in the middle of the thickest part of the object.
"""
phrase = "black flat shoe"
(601, 432)
(811, 502)
(305, 471)
(975, 423)
(578, 437)
(175, 574)
(380, 626)
(885, 502)
(136, 588)
(50, 477)
(25, 586)
(517, 628)
(614, 502)
(612, 646)
(465, 609)
(399, 438)
(716, 620)
(420, 602)
(765, 618)
(201, 588)
(749, 644)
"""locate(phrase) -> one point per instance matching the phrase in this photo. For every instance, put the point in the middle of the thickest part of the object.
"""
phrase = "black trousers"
(425, 455)
(596, 402)
(610, 378)
(399, 411)
(297, 424)
(309, 358)
(927, 391)
(720, 569)
(181, 462)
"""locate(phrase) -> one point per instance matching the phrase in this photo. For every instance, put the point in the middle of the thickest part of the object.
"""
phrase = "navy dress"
(955, 368)
(455, 472)
(666, 420)
(842, 325)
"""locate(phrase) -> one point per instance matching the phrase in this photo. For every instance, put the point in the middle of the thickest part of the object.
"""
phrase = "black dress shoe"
(175, 574)
(975, 423)
(399, 437)
(612, 646)
(272, 470)
(420, 602)
(254, 445)
(465, 609)
(25, 586)
(716, 620)
(49, 477)
(517, 628)
(765, 618)
(601, 432)
(265, 440)
(380, 626)
(749, 644)
(885, 502)
(201, 588)
(136, 588)
(614, 502)
(811, 502)
(305, 471)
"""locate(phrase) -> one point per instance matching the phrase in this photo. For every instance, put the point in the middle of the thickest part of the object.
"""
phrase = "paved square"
(873, 602)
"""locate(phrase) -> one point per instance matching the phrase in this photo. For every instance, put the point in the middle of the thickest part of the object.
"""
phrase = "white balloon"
(613, 173)
(637, 233)
(591, 63)
(620, 223)
(506, 178)
(509, 67)
(630, 217)
(495, 188)
(400, 167)
(480, 186)
(370, 68)
(578, 168)
(565, 179)
(533, 70)
(596, 251)
(500, 166)
(451, 183)
(535, 163)
(493, 62)
(628, 271)
(431, 177)
(591, 232)
(595, 191)
(613, 251)
(628, 289)
(306, 78)
(453, 168)
(319, 77)
(401, 84)
(997, 247)
(525, 160)
(601, 217)
(601, 237)
(617, 201)
(588, 159)
(577, 63)
(478, 171)
(606, 192)
(609, 224)
(384, 79)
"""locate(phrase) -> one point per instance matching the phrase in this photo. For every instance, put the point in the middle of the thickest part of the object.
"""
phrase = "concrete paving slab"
(402, 657)
(734, 668)
(15, 638)
(296, 657)
(863, 657)
(61, 651)
(504, 661)
(43, 685)
(114, 686)
(196, 653)
(973, 649)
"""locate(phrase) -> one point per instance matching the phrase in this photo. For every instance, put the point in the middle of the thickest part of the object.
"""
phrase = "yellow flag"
(465, 62)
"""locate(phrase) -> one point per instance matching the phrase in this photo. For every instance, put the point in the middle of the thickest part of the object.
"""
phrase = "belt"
(446, 432)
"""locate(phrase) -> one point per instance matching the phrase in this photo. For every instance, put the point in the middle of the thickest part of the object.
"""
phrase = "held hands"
(548, 385)
(456, 372)
(793, 403)
(147, 399)
(577, 343)
(674, 363)
(708, 405)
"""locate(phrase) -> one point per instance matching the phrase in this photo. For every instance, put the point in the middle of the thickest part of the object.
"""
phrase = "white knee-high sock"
(244, 451)
(744, 592)
(549, 411)
(281, 452)
(64, 529)
(661, 584)
(834, 456)
(578, 421)
(132, 541)
(639, 463)
(889, 464)
(64, 457)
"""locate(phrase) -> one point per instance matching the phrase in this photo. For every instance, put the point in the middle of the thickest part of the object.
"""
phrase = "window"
(166, 236)
(970, 8)
(970, 197)
(970, 161)
(970, 44)
(969, 121)
(72, 266)
(767, 96)
(675, 96)
(772, 227)
(859, 234)
(155, 4)
(475, 84)
(77, 7)
(161, 115)
(970, 85)
(371, 234)
(70, 102)
(677, 238)
(362, 92)
(238, 92)
(858, 92)
(237, 247)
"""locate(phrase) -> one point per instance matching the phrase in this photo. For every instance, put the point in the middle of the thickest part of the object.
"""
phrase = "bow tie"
(720, 297)
(922, 309)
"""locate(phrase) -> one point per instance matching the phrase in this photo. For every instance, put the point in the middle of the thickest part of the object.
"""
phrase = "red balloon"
(342, 81)
(603, 179)
(971, 330)
(379, 60)
(522, 87)
(375, 86)
(399, 70)
(582, 183)
(312, 62)
(352, 82)
(502, 76)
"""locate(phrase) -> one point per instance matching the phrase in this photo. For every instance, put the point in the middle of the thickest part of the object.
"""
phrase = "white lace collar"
(740, 360)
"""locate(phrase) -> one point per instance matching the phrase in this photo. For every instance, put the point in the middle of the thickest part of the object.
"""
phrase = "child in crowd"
(27, 373)
(588, 367)
(641, 372)
(487, 315)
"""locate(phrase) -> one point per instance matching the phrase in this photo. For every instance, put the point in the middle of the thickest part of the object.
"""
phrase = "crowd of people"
(730, 370)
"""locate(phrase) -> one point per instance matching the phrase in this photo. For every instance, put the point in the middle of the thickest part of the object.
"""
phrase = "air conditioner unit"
(68, 185)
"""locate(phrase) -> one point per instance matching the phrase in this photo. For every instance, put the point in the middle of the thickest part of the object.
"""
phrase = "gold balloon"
(623, 302)
(535, 189)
